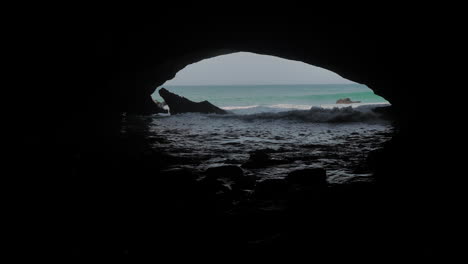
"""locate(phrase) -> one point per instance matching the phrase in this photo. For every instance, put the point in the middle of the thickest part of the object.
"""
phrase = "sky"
(249, 68)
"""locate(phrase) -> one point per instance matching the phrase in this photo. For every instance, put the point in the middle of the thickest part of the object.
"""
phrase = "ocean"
(296, 126)
(264, 98)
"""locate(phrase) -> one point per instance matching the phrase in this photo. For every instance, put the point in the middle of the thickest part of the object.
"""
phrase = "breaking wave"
(362, 113)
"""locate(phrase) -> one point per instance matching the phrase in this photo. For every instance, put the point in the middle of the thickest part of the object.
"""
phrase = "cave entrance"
(245, 80)
(283, 115)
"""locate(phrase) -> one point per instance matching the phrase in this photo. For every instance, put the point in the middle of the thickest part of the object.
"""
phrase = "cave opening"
(281, 115)
(103, 199)
(268, 172)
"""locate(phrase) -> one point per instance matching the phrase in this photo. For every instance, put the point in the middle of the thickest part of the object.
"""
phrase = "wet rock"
(225, 171)
(232, 161)
(159, 108)
(178, 104)
(314, 146)
(385, 112)
(260, 159)
(271, 189)
(260, 156)
(315, 177)
(230, 175)
(214, 192)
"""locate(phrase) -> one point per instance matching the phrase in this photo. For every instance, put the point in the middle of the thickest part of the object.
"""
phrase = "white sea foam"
(291, 106)
(239, 107)
(354, 105)
(321, 115)
(252, 109)
(334, 113)
(300, 138)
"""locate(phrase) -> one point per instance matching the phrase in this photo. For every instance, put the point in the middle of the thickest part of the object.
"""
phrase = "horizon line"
(257, 84)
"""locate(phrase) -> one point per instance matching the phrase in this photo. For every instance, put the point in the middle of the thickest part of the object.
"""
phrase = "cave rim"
(219, 52)
(308, 64)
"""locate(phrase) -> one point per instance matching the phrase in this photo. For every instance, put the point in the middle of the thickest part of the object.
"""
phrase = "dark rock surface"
(271, 189)
(260, 159)
(160, 107)
(232, 175)
(178, 104)
(308, 177)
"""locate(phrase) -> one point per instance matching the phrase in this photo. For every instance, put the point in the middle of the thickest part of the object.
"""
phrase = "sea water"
(298, 126)
(275, 97)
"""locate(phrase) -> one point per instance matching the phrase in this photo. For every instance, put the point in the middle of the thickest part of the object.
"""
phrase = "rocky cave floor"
(136, 197)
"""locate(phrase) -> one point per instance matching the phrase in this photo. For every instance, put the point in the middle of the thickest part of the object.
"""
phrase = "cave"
(84, 78)
(268, 103)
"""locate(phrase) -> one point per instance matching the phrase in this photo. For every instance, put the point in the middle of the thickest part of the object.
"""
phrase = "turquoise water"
(289, 121)
(294, 95)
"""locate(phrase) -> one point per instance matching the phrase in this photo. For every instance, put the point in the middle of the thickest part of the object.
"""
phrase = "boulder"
(271, 189)
(346, 101)
(160, 107)
(315, 177)
(178, 104)
(230, 175)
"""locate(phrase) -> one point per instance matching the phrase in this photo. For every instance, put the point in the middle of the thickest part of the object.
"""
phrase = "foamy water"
(299, 126)
(337, 139)
(283, 107)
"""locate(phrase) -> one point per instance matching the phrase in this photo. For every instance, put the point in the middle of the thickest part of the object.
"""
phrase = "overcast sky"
(250, 68)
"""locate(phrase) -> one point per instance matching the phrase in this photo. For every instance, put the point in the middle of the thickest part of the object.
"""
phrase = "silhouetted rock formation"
(178, 104)
(159, 108)
(346, 101)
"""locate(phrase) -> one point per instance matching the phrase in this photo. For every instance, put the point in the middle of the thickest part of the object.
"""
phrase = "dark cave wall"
(76, 63)
(355, 57)
(77, 75)
(81, 75)
(114, 66)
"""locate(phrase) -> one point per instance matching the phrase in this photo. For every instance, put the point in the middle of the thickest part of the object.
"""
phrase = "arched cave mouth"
(141, 197)
(245, 182)
(270, 129)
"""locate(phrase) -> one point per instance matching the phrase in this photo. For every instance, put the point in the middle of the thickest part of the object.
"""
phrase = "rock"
(229, 171)
(260, 159)
(385, 112)
(346, 101)
(271, 189)
(230, 175)
(259, 156)
(178, 104)
(316, 177)
(160, 107)
(216, 191)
